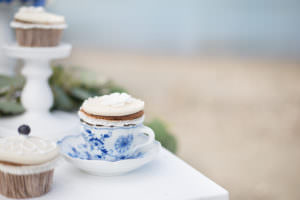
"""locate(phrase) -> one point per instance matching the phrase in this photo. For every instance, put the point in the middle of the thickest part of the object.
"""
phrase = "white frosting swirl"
(115, 104)
(38, 15)
(27, 150)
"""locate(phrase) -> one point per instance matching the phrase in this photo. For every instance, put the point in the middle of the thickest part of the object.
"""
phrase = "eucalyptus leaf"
(163, 135)
(4, 90)
(80, 94)
(5, 81)
(16, 82)
(10, 107)
(62, 100)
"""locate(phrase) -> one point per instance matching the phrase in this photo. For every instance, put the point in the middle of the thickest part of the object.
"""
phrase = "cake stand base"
(37, 97)
(49, 125)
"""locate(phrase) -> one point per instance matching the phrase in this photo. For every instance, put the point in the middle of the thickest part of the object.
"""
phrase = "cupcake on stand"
(38, 35)
(37, 28)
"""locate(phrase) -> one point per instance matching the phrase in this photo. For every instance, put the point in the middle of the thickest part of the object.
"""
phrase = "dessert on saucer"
(37, 28)
(112, 131)
(26, 165)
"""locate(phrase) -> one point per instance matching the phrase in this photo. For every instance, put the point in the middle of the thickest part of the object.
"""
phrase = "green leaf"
(5, 81)
(80, 94)
(10, 107)
(4, 90)
(162, 135)
(61, 100)
(9, 85)
(16, 82)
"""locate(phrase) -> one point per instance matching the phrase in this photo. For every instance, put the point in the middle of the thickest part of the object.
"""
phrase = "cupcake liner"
(38, 37)
(26, 181)
(25, 186)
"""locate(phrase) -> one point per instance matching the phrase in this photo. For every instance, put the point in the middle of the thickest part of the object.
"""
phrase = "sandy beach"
(236, 119)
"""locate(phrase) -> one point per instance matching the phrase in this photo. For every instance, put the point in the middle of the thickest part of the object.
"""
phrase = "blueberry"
(24, 129)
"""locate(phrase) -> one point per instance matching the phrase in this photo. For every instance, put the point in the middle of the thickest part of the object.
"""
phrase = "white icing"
(115, 99)
(115, 123)
(30, 169)
(38, 15)
(15, 24)
(27, 150)
(115, 104)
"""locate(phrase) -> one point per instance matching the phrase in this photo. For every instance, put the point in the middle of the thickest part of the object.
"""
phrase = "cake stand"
(37, 97)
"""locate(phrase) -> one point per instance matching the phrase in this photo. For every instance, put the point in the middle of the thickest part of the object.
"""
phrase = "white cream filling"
(103, 122)
(38, 15)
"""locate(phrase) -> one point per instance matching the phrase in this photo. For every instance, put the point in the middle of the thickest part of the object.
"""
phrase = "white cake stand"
(37, 96)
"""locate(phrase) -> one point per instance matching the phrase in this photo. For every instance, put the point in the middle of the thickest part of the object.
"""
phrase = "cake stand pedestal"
(37, 96)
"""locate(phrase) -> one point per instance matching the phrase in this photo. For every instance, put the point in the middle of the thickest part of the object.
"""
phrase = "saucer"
(76, 151)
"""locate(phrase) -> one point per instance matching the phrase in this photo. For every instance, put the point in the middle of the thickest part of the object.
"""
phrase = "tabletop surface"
(167, 177)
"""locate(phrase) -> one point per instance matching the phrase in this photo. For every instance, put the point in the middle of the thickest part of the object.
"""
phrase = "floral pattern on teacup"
(80, 149)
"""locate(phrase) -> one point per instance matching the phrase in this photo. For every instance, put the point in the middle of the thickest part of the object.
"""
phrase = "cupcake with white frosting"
(37, 28)
(113, 110)
(26, 165)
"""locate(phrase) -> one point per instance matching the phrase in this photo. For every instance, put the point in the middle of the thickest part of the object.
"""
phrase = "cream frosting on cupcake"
(26, 165)
(27, 150)
(115, 104)
(38, 15)
(35, 27)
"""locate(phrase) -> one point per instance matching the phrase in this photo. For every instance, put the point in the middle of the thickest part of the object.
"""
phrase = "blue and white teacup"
(117, 142)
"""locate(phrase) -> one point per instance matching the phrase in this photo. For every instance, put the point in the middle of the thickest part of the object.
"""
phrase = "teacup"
(117, 142)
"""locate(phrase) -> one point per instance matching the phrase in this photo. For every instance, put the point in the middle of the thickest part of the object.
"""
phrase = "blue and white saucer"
(79, 153)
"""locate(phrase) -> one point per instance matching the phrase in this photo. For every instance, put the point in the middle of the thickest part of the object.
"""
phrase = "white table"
(167, 177)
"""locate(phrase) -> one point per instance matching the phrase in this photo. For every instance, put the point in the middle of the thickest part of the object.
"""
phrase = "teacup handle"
(151, 137)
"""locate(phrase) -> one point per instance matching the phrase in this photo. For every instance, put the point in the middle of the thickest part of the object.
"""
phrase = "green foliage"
(70, 87)
(10, 88)
(10, 83)
(163, 135)
(62, 100)
(8, 107)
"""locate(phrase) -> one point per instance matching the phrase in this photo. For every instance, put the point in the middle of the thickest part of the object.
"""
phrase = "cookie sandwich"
(113, 110)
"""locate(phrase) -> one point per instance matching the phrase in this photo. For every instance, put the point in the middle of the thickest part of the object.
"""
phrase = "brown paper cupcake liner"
(38, 37)
(26, 181)
(25, 186)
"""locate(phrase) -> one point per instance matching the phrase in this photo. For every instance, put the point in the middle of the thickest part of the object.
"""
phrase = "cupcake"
(114, 110)
(37, 28)
(26, 165)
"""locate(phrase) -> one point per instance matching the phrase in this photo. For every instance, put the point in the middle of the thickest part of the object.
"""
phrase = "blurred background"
(224, 76)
